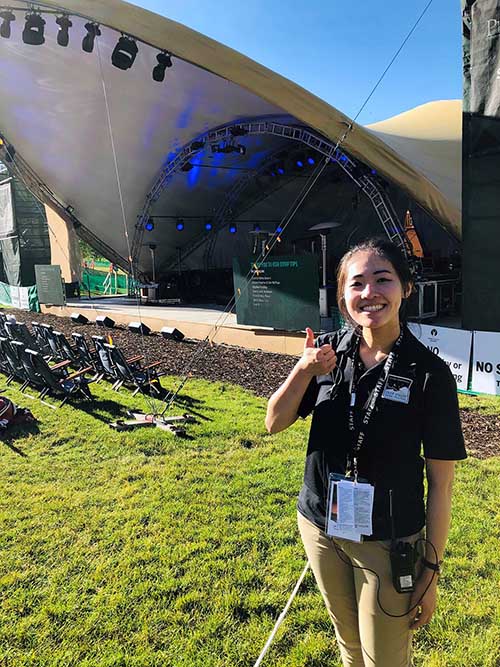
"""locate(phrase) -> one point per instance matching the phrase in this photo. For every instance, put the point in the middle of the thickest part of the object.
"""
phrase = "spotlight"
(180, 225)
(208, 226)
(149, 225)
(187, 166)
(34, 29)
(280, 170)
(373, 172)
(299, 164)
(64, 24)
(311, 161)
(256, 227)
(164, 61)
(232, 229)
(89, 39)
(124, 53)
(7, 18)
(278, 229)
(197, 145)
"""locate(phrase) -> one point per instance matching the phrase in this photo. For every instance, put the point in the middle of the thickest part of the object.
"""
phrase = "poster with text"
(452, 345)
(486, 363)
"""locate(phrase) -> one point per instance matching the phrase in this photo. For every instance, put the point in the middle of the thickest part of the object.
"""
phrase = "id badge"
(397, 389)
(349, 508)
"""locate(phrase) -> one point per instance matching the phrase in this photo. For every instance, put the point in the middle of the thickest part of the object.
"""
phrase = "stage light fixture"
(299, 164)
(208, 226)
(34, 28)
(149, 225)
(187, 166)
(278, 229)
(7, 18)
(124, 53)
(197, 145)
(256, 228)
(10, 151)
(180, 225)
(373, 172)
(64, 24)
(164, 61)
(280, 171)
(88, 41)
(311, 161)
(232, 229)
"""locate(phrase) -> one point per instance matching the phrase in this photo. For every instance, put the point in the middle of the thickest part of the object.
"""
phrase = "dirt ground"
(260, 372)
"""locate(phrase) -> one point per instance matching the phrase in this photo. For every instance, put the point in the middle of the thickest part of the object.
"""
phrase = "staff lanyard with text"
(353, 386)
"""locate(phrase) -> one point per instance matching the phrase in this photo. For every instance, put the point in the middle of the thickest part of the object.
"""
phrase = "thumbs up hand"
(317, 360)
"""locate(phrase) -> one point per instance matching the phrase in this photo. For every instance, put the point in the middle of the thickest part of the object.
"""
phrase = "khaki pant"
(366, 636)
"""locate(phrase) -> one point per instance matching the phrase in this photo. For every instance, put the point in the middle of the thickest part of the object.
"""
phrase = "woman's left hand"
(422, 614)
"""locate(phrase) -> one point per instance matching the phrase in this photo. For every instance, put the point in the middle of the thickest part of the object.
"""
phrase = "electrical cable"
(367, 569)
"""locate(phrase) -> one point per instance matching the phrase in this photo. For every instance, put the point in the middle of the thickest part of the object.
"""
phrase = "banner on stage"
(452, 345)
(486, 363)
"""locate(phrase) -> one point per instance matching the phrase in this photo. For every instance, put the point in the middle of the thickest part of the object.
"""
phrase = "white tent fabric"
(7, 226)
(53, 111)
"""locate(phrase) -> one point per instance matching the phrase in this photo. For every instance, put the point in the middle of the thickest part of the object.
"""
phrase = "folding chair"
(67, 351)
(10, 354)
(48, 332)
(39, 333)
(19, 331)
(103, 360)
(3, 319)
(129, 372)
(68, 385)
(87, 357)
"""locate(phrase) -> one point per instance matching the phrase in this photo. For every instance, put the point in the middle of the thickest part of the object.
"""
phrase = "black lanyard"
(353, 385)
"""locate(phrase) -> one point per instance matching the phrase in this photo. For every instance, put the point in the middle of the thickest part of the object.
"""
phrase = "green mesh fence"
(102, 283)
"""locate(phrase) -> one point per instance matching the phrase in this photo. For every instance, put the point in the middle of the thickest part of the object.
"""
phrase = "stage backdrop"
(283, 292)
(481, 164)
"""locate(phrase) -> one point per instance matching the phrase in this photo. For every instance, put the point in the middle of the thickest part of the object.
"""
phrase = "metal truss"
(359, 174)
(19, 167)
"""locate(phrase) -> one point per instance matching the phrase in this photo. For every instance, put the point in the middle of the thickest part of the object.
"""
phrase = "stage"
(194, 321)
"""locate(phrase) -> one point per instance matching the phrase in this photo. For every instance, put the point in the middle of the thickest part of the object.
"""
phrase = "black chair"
(145, 379)
(66, 350)
(3, 319)
(56, 380)
(48, 332)
(40, 335)
(87, 357)
(11, 361)
(103, 360)
(19, 331)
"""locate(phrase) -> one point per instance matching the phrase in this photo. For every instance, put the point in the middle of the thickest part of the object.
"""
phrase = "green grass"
(140, 549)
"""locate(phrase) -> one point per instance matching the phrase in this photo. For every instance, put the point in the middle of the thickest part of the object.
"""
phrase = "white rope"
(281, 618)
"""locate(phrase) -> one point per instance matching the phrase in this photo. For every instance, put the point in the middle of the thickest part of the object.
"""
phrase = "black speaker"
(140, 328)
(104, 321)
(78, 318)
(171, 333)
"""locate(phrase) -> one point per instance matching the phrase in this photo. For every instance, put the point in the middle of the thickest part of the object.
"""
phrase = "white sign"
(486, 362)
(452, 345)
(19, 297)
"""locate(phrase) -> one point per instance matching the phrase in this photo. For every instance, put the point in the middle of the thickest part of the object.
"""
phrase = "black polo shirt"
(398, 437)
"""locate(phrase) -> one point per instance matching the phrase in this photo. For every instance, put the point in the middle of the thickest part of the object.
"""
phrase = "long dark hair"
(388, 251)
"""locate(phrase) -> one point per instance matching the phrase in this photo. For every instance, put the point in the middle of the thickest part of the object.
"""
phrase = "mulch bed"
(260, 372)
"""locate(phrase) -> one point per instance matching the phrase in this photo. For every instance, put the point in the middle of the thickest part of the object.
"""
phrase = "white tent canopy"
(97, 137)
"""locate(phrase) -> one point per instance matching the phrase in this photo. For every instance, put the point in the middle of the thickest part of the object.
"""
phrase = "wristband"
(435, 567)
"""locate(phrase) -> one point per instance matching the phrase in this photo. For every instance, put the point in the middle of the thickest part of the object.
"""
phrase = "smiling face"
(373, 291)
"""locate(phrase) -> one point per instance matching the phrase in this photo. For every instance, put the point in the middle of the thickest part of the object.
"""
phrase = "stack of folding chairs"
(45, 360)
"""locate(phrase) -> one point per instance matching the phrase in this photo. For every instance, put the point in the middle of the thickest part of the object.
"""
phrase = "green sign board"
(281, 292)
(49, 284)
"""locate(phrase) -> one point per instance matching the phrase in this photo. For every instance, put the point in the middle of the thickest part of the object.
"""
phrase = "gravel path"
(260, 372)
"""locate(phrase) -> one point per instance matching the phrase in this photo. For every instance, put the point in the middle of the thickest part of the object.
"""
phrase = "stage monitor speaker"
(140, 328)
(78, 318)
(104, 321)
(171, 333)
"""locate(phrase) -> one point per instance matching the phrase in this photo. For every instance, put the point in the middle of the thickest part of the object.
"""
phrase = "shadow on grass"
(19, 431)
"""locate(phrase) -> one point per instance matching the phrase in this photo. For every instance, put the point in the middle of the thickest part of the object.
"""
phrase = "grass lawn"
(140, 549)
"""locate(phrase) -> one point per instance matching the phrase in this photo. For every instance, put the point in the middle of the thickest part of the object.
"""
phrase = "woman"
(378, 396)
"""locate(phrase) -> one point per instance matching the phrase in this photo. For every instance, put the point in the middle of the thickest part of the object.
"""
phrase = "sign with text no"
(486, 363)
(452, 345)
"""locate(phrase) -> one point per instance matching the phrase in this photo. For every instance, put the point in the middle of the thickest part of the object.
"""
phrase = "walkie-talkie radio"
(403, 559)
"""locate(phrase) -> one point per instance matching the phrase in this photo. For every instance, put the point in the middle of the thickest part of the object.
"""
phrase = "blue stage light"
(149, 225)
(311, 160)
(179, 226)
(208, 226)
(299, 164)
(232, 229)
(374, 172)
(280, 171)
(256, 228)
(343, 158)
(279, 229)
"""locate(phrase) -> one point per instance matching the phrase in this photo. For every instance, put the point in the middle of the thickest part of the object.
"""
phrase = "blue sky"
(337, 50)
